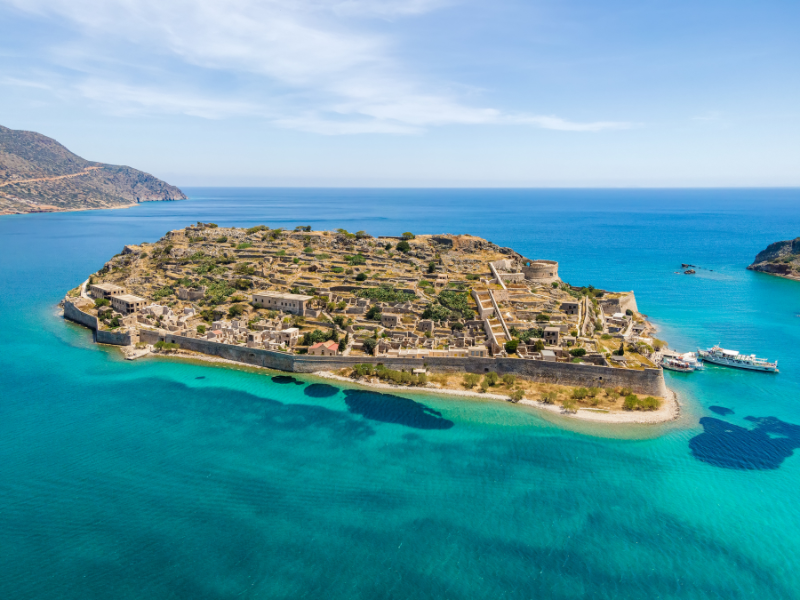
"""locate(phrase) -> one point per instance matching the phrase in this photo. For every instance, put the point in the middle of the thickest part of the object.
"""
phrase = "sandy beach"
(669, 410)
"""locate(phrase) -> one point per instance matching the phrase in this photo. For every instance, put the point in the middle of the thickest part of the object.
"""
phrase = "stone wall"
(101, 336)
(647, 381)
(621, 304)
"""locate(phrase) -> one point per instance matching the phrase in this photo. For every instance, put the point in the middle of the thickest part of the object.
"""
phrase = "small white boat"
(675, 364)
(732, 358)
(694, 362)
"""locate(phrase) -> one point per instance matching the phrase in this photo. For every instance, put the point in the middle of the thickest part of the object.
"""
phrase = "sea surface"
(169, 479)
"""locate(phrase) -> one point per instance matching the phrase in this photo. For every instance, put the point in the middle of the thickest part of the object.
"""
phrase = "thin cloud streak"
(310, 65)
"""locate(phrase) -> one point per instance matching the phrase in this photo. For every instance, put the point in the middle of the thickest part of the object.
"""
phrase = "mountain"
(37, 174)
(780, 258)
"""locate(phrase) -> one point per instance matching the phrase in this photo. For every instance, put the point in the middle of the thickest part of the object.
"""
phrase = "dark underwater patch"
(388, 408)
(284, 379)
(720, 410)
(320, 390)
(201, 377)
(729, 446)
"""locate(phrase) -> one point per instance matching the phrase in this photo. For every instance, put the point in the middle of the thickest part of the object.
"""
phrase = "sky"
(413, 93)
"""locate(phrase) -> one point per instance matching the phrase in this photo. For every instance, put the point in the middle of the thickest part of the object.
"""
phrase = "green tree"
(511, 346)
(578, 352)
(99, 302)
(621, 350)
(403, 246)
(517, 395)
(471, 380)
(509, 379)
(369, 345)
(201, 329)
(374, 313)
(408, 235)
(580, 393)
(491, 378)
(569, 405)
(343, 342)
(538, 345)
(431, 267)
(361, 276)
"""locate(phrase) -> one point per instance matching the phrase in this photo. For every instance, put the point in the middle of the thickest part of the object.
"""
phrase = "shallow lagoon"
(166, 478)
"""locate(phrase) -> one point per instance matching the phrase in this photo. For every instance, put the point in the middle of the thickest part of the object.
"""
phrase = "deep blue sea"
(166, 479)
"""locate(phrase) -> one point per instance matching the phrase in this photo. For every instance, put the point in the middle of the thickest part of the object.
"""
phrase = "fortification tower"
(540, 271)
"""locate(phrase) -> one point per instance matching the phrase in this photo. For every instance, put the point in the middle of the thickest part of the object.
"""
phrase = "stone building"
(292, 303)
(329, 348)
(127, 303)
(106, 290)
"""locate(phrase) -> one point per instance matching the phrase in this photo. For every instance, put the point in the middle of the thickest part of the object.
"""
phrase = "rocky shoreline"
(781, 259)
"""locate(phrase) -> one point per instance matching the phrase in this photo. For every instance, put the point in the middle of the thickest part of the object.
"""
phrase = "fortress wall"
(73, 313)
(648, 381)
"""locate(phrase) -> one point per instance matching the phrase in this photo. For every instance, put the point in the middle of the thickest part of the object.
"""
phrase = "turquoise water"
(163, 479)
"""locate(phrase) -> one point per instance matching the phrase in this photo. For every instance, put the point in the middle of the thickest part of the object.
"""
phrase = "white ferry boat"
(732, 358)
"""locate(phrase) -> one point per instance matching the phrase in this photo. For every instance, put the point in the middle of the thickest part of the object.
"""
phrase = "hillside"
(780, 258)
(37, 174)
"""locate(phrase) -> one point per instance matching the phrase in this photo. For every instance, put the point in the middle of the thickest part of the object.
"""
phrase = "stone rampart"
(647, 381)
(101, 336)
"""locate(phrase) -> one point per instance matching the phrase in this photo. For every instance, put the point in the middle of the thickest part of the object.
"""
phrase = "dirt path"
(84, 172)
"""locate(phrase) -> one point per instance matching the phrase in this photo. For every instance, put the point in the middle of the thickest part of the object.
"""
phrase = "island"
(781, 259)
(446, 313)
(37, 174)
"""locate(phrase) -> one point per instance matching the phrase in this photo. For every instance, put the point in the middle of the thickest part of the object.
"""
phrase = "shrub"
(621, 350)
(517, 395)
(386, 294)
(256, 229)
(511, 346)
(538, 346)
(580, 393)
(308, 250)
(99, 302)
(355, 260)
(625, 391)
(163, 292)
(542, 318)
(554, 284)
(629, 312)
(361, 277)
(236, 310)
(295, 260)
(578, 352)
(245, 269)
(408, 235)
(634, 403)
(242, 284)
(337, 269)
(491, 378)
(569, 406)
(388, 246)
(403, 246)
(244, 246)
(593, 391)
(549, 397)
(471, 380)
(605, 336)
(166, 347)
(201, 329)
(509, 379)
(473, 277)
(374, 313)
(431, 267)
(484, 386)
(221, 239)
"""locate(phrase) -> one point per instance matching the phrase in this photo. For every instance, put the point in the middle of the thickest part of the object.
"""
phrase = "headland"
(446, 313)
(781, 259)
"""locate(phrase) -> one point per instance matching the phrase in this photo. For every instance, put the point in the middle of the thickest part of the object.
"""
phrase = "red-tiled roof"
(330, 345)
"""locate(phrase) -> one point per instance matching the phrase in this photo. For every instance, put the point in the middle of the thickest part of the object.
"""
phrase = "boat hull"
(739, 364)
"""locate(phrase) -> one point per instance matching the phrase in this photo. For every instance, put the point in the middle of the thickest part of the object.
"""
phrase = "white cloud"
(306, 64)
